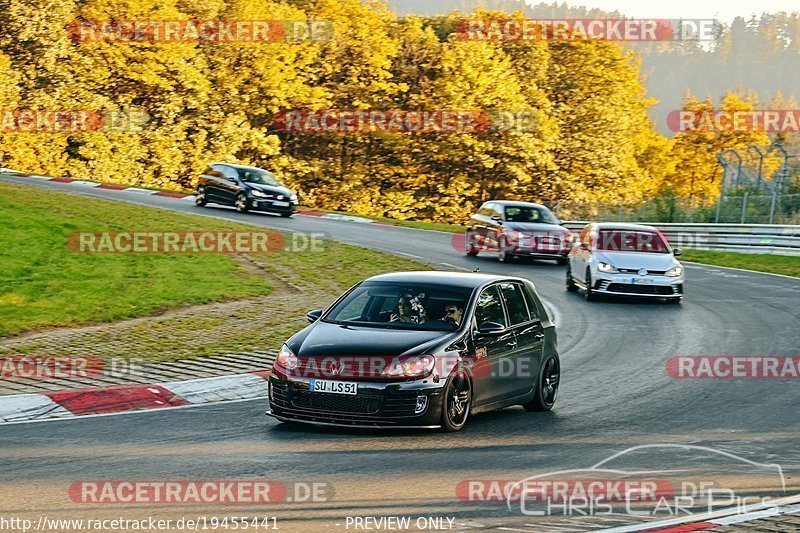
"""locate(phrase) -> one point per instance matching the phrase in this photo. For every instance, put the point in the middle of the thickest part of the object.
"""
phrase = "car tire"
(457, 401)
(589, 292)
(546, 390)
(200, 197)
(470, 247)
(561, 261)
(571, 287)
(241, 203)
(502, 255)
(287, 215)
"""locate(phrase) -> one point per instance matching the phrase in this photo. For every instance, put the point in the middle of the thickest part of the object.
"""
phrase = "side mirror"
(231, 179)
(314, 315)
(496, 218)
(676, 252)
(489, 329)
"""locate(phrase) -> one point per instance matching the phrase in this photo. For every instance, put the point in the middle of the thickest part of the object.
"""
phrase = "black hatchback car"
(419, 349)
(245, 188)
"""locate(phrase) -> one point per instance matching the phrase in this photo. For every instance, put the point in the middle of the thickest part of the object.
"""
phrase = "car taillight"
(409, 367)
(286, 359)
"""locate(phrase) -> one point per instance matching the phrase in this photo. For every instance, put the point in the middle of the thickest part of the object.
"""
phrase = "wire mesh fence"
(729, 209)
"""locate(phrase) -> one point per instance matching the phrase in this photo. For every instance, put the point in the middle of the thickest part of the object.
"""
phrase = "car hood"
(536, 227)
(322, 339)
(637, 260)
(271, 189)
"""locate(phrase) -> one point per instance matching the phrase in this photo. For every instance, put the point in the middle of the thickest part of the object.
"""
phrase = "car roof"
(242, 167)
(454, 279)
(514, 203)
(623, 226)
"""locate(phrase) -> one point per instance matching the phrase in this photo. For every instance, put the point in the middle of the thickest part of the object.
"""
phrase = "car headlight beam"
(286, 359)
(410, 367)
(606, 267)
(674, 272)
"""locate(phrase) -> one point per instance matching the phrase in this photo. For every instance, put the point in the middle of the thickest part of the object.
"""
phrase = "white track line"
(139, 412)
(706, 266)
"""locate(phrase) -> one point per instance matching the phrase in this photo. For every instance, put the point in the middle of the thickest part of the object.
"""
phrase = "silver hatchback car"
(624, 260)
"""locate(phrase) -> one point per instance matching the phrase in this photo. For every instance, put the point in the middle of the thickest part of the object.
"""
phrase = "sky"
(722, 10)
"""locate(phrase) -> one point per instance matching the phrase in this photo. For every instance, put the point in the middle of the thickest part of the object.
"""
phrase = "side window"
(515, 303)
(531, 300)
(513, 214)
(490, 308)
(213, 171)
(226, 172)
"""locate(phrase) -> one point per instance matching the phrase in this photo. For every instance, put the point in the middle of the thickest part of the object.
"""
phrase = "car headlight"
(674, 272)
(286, 359)
(606, 267)
(409, 367)
(258, 193)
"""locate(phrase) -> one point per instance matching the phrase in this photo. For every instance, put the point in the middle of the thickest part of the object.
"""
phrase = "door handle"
(511, 344)
(539, 336)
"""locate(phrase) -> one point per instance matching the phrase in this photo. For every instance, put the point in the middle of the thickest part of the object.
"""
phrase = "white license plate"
(280, 204)
(641, 281)
(336, 387)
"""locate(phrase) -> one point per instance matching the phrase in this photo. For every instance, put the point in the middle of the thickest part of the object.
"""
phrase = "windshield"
(631, 241)
(402, 306)
(261, 177)
(539, 215)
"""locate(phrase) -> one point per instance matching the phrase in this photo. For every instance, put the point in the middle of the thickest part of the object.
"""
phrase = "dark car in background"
(419, 349)
(245, 188)
(518, 229)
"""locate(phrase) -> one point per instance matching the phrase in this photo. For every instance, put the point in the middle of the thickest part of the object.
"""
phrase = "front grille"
(339, 403)
(280, 396)
(636, 271)
(655, 290)
(400, 406)
(351, 367)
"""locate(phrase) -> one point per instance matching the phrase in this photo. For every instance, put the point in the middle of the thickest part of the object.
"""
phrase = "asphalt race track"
(615, 393)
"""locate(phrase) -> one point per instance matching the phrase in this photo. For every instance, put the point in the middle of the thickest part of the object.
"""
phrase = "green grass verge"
(44, 284)
(774, 264)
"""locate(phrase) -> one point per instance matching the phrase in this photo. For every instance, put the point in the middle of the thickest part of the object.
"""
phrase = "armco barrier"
(742, 238)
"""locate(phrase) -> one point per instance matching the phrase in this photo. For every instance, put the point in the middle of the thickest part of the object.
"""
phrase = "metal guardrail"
(742, 238)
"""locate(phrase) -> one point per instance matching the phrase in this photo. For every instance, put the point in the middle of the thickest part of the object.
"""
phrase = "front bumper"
(271, 205)
(650, 286)
(541, 254)
(532, 247)
(377, 404)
